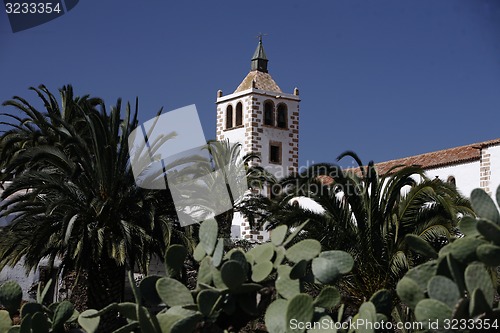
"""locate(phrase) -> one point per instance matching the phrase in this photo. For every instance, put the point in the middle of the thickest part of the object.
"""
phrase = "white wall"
(495, 168)
(236, 134)
(18, 274)
(255, 97)
(466, 176)
(259, 140)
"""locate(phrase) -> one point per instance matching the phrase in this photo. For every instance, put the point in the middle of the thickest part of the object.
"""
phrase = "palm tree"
(227, 177)
(237, 168)
(369, 215)
(33, 128)
(74, 197)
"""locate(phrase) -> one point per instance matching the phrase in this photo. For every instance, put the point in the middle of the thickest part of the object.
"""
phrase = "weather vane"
(260, 35)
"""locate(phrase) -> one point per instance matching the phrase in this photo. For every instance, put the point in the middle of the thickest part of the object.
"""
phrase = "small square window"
(275, 153)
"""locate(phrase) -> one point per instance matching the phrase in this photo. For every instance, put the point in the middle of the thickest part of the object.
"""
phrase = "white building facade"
(265, 121)
(472, 166)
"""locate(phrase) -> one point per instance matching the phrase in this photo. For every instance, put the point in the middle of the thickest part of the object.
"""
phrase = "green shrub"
(34, 317)
(233, 288)
(458, 288)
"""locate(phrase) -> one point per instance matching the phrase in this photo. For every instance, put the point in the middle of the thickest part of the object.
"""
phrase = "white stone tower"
(265, 120)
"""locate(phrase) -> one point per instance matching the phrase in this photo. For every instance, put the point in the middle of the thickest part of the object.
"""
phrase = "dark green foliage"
(410, 292)
(300, 308)
(484, 206)
(74, 196)
(420, 246)
(329, 297)
(230, 295)
(461, 283)
(80, 203)
(382, 300)
(34, 317)
(369, 215)
(11, 296)
(174, 259)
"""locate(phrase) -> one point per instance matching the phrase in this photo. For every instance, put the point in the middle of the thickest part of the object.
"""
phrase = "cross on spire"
(259, 59)
(260, 35)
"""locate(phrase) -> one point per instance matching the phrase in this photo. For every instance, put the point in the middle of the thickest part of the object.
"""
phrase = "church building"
(265, 120)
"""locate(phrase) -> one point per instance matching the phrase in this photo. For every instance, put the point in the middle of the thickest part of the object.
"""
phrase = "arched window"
(282, 115)
(451, 180)
(239, 114)
(268, 113)
(229, 116)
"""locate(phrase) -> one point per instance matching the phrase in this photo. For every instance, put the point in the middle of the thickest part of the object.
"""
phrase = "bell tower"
(260, 116)
(265, 120)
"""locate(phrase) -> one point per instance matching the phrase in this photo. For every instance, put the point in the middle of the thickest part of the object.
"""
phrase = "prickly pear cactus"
(236, 287)
(34, 316)
(459, 286)
(11, 296)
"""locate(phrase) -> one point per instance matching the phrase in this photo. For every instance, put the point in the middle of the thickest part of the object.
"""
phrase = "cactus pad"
(306, 249)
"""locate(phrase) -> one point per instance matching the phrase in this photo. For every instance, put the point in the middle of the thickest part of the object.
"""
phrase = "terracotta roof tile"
(435, 159)
(440, 158)
(261, 80)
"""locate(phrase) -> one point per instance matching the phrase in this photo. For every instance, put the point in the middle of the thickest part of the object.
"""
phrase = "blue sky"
(385, 78)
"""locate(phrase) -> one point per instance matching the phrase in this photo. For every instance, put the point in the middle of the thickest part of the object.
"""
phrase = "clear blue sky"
(386, 79)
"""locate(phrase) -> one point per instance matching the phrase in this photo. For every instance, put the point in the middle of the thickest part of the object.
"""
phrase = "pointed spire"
(259, 59)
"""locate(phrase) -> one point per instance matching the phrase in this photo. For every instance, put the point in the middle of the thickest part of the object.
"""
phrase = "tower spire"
(259, 59)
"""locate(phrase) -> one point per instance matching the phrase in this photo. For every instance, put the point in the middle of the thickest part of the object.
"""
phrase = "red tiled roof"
(435, 159)
(440, 158)
(324, 179)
